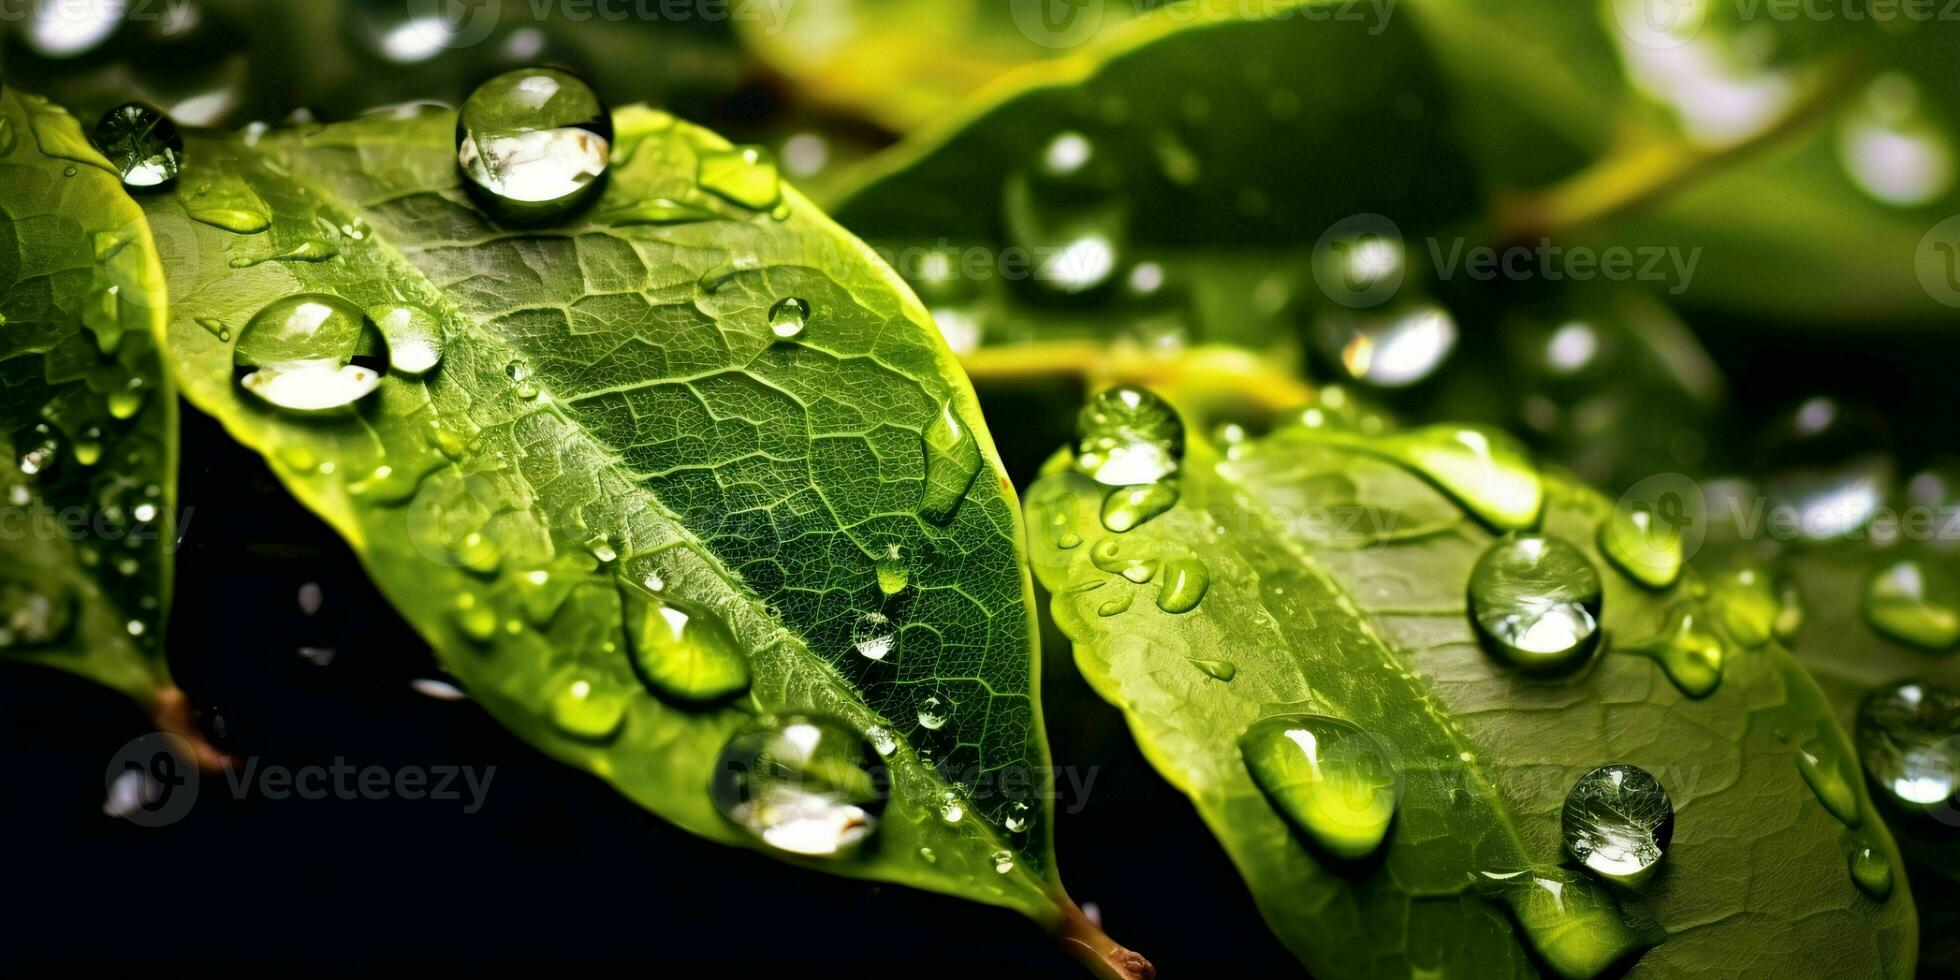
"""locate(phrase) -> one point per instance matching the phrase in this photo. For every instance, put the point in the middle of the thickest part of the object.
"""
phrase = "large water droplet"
(1687, 651)
(1871, 870)
(305, 354)
(933, 713)
(788, 316)
(874, 635)
(1127, 436)
(414, 338)
(534, 141)
(1126, 507)
(1332, 781)
(141, 143)
(746, 175)
(1909, 741)
(589, 707)
(231, 204)
(1184, 582)
(681, 649)
(1535, 600)
(1572, 923)
(1830, 776)
(952, 457)
(803, 783)
(1618, 822)
(1487, 472)
(1914, 602)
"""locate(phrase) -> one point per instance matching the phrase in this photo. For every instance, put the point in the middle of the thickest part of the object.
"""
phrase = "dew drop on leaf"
(1907, 738)
(746, 175)
(933, 713)
(1572, 923)
(141, 143)
(952, 809)
(1830, 776)
(803, 784)
(1871, 870)
(1535, 600)
(788, 316)
(679, 648)
(587, 706)
(1218, 670)
(1184, 583)
(893, 574)
(1332, 782)
(1111, 556)
(1015, 820)
(1916, 603)
(534, 142)
(874, 636)
(308, 354)
(952, 460)
(414, 338)
(215, 327)
(1618, 821)
(1128, 436)
(1643, 543)
(1687, 651)
(40, 450)
(1124, 508)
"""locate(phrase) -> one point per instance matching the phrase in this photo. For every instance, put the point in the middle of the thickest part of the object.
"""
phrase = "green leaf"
(89, 421)
(1337, 586)
(614, 422)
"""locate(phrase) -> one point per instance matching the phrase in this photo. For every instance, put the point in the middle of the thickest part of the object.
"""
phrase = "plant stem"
(171, 711)
(1104, 957)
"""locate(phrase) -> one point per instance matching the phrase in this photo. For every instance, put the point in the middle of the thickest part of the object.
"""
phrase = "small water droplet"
(893, 574)
(1871, 870)
(874, 636)
(1830, 776)
(1572, 923)
(952, 461)
(473, 618)
(414, 338)
(681, 649)
(1185, 581)
(1486, 471)
(1907, 741)
(519, 372)
(1748, 608)
(1332, 782)
(933, 713)
(952, 809)
(589, 707)
(787, 317)
(803, 784)
(1124, 508)
(1687, 651)
(1113, 557)
(141, 143)
(746, 175)
(534, 142)
(1218, 670)
(1128, 436)
(1618, 822)
(882, 740)
(1535, 601)
(1116, 606)
(654, 211)
(1017, 817)
(307, 251)
(1003, 861)
(40, 450)
(308, 354)
(602, 549)
(1916, 603)
(231, 205)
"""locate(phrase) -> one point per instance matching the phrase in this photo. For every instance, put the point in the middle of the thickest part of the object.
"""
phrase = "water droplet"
(141, 143)
(1487, 472)
(1914, 602)
(1017, 817)
(1535, 601)
(1643, 543)
(307, 251)
(1831, 469)
(1572, 923)
(1688, 651)
(787, 317)
(1890, 147)
(215, 327)
(1748, 608)
(1128, 436)
(34, 615)
(803, 783)
(1116, 606)
(654, 211)
(882, 739)
(1126, 507)
(302, 354)
(68, 31)
(229, 204)
(1003, 861)
(681, 649)
(1830, 775)
(1871, 870)
(1218, 670)
(519, 372)
(1184, 583)
(1332, 781)
(1618, 822)
(746, 175)
(414, 338)
(473, 618)
(952, 458)
(874, 636)
(602, 549)
(1061, 529)
(534, 142)
(933, 713)
(40, 450)
(1112, 557)
(1907, 741)
(1393, 348)
(893, 574)
(588, 706)
(952, 809)
(1068, 210)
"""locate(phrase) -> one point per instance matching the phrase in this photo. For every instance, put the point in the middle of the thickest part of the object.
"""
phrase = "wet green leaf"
(1337, 587)
(614, 425)
(90, 423)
